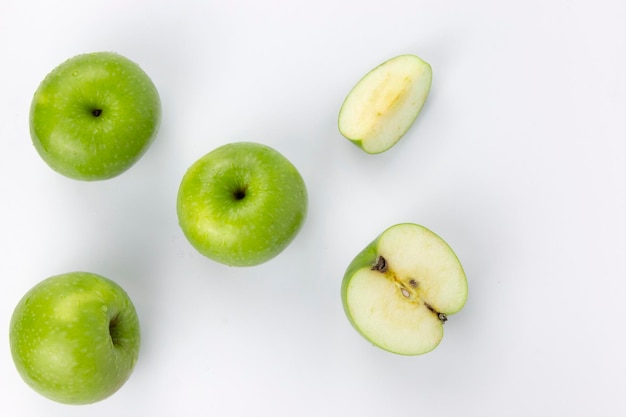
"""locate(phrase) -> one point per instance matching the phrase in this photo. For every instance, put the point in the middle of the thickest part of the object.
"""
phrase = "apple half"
(383, 105)
(399, 291)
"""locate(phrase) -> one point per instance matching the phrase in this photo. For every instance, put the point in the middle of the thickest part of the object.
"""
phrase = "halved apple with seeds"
(399, 291)
(383, 105)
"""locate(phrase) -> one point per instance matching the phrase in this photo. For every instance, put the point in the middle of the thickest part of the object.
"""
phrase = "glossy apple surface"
(75, 337)
(384, 104)
(94, 116)
(402, 287)
(242, 204)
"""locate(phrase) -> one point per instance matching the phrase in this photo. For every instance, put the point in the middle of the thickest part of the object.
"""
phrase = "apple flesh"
(402, 287)
(383, 105)
(94, 116)
(242, 204)
(75, 337)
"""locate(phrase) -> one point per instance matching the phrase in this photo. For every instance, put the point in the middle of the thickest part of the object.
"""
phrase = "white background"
(517, 161)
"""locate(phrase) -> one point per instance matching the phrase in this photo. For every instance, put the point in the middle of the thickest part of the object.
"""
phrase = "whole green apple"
(383, 105)
(242, 204)
(402, 287)
(94, 116)
(75, 337)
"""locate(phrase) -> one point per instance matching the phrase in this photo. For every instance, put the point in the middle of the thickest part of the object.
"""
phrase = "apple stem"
(441, 316)
(96, 112)
(381, 265)
(239, 194)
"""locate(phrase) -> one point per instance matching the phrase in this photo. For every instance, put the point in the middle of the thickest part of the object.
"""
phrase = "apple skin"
(94, 116)
(242, 204)
(403, 301)
(385, 102)
(75, 337)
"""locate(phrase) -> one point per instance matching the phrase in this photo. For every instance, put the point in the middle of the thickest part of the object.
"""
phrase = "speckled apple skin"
(94, 116)
(75, 337)
(242, 231)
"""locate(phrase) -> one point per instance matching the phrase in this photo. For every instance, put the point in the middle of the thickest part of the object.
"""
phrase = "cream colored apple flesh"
(383, 105)
(400, 289)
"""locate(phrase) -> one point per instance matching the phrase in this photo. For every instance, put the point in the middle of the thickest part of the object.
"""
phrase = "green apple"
(241, 204)
(94, 116)
(75, 337)
(402, 287)
(383, 105)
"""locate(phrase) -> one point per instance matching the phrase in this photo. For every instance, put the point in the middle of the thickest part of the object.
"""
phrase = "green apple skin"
(75, 337)
(242, 204)
(400, 289)
(94, 116)
(385, 103)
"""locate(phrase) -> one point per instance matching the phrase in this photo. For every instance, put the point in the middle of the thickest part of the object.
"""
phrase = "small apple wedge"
(383, 105)
(399, 291)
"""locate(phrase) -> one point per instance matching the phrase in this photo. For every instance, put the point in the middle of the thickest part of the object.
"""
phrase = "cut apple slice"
(402, 287)
(383, 105)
